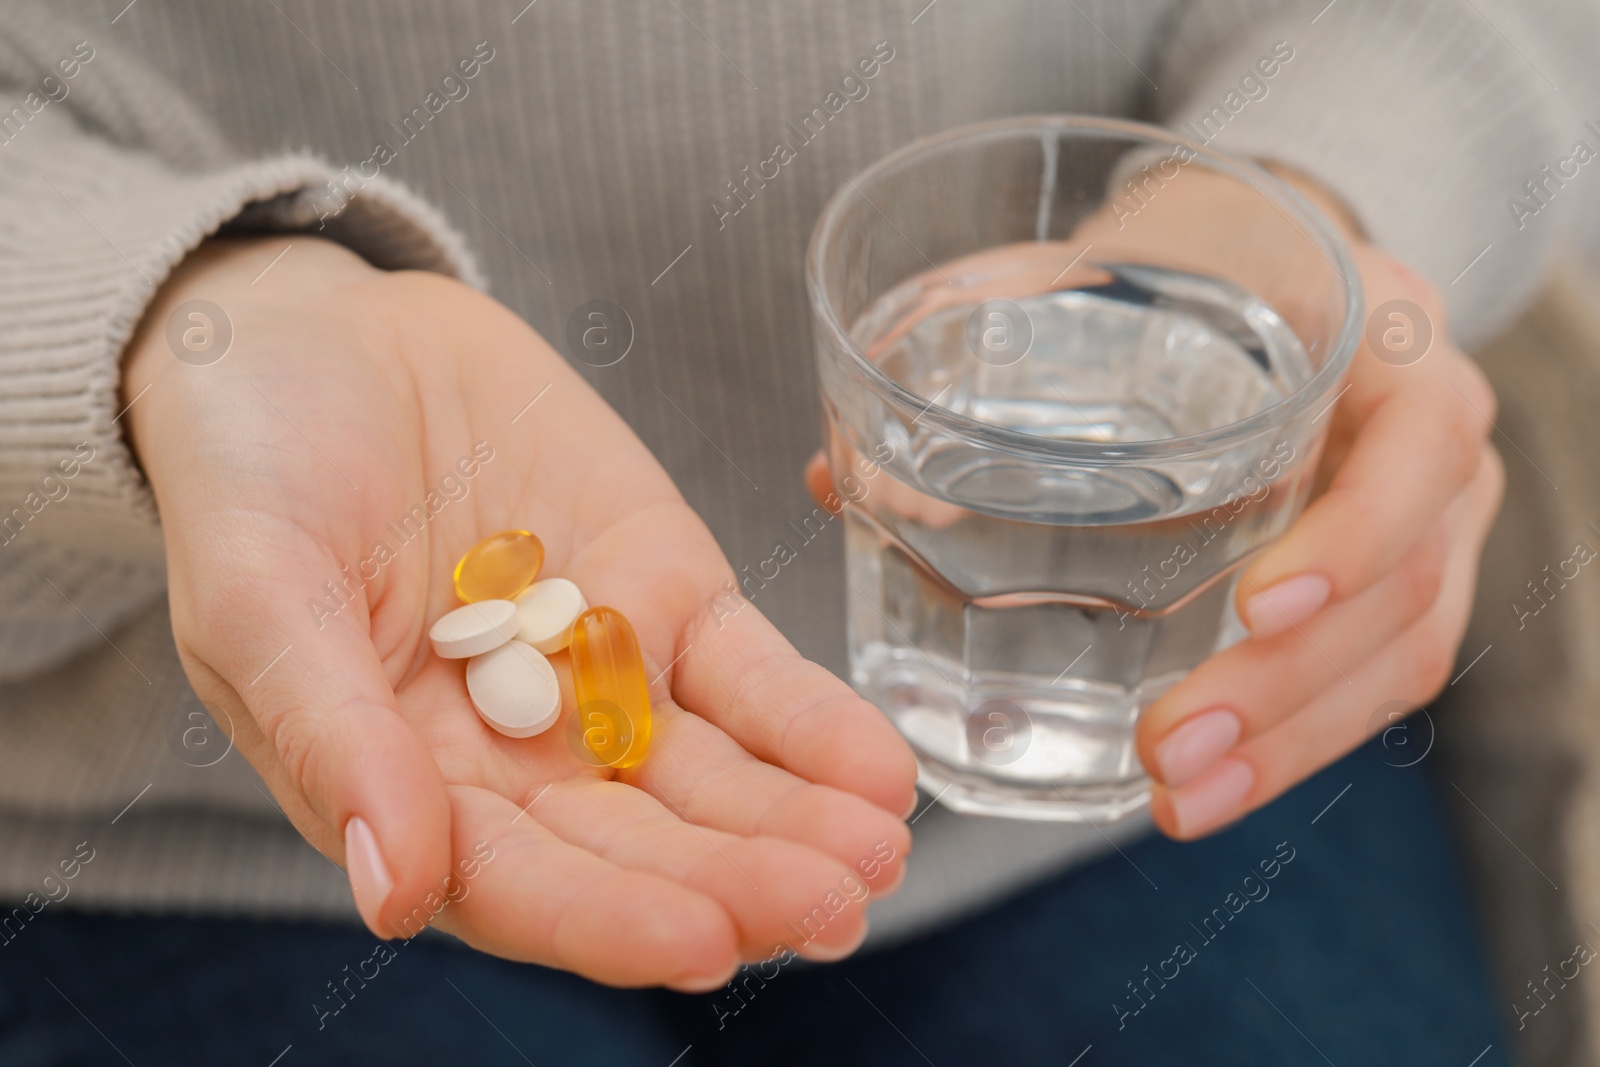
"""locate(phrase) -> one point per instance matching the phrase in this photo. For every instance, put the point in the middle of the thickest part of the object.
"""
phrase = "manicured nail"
(899, 879)
(1285, 604)
(704, 983)
(1214, 798)
(916, 802)
(1196, 745)
(831, 953)
(370, 882)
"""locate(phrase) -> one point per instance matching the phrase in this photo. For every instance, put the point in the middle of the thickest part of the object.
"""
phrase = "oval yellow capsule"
(612, 726)
(500, 567)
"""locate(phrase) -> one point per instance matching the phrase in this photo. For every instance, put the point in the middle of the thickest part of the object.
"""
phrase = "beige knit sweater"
(589, 156)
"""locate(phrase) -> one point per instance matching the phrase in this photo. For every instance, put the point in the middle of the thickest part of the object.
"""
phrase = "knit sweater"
(593, 153)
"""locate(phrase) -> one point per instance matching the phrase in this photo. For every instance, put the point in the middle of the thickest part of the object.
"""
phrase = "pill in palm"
(499, 567)
(612, 690)
(514, 689)
(474, 629)
(546, 612)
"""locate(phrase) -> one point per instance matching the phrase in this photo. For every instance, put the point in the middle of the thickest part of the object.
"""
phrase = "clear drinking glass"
(1074, 374)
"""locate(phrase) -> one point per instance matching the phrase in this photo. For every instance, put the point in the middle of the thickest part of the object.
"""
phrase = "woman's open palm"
(293, 475)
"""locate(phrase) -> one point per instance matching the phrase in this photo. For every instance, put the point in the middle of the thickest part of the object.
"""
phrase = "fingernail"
(831, 953)
(895, 883)
(370, 882)
(704, 983)
(1214, 798)
(1285, 604)
(916, 801)
(1196, 745)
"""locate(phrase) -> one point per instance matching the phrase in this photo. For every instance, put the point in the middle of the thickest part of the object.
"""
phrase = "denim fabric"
(1307, 934)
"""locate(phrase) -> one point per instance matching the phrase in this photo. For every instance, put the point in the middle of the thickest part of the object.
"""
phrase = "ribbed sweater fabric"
(589, 158)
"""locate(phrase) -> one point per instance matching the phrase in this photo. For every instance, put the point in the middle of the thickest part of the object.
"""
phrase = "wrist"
(250, 281)
(1325, 200)
(236, 272)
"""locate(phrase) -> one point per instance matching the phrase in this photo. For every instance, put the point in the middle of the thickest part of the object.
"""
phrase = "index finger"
(1417, 451)
(1418, 435)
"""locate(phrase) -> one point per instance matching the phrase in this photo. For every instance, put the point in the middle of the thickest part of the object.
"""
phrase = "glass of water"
(1059, 430)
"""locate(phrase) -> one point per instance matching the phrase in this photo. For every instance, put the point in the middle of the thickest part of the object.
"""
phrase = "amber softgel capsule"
(612, 690)
(500, 567)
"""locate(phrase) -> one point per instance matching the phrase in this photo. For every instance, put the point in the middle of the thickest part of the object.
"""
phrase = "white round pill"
(473, 629)
(546, 612)
(514, 689)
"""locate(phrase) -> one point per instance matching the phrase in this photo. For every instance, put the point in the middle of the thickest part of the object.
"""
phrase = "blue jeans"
(1307, 934)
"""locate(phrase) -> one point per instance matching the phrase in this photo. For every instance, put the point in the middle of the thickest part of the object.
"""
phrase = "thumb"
(332, 733)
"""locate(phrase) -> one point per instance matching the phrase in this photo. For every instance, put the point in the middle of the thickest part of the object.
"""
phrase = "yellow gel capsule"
(612, 727)
(499, 567)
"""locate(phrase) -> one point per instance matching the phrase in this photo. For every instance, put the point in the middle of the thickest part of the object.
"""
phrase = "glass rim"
(1277, 192)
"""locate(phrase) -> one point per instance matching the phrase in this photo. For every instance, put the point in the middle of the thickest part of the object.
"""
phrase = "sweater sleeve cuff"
(97, 231)
(1428, 173)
